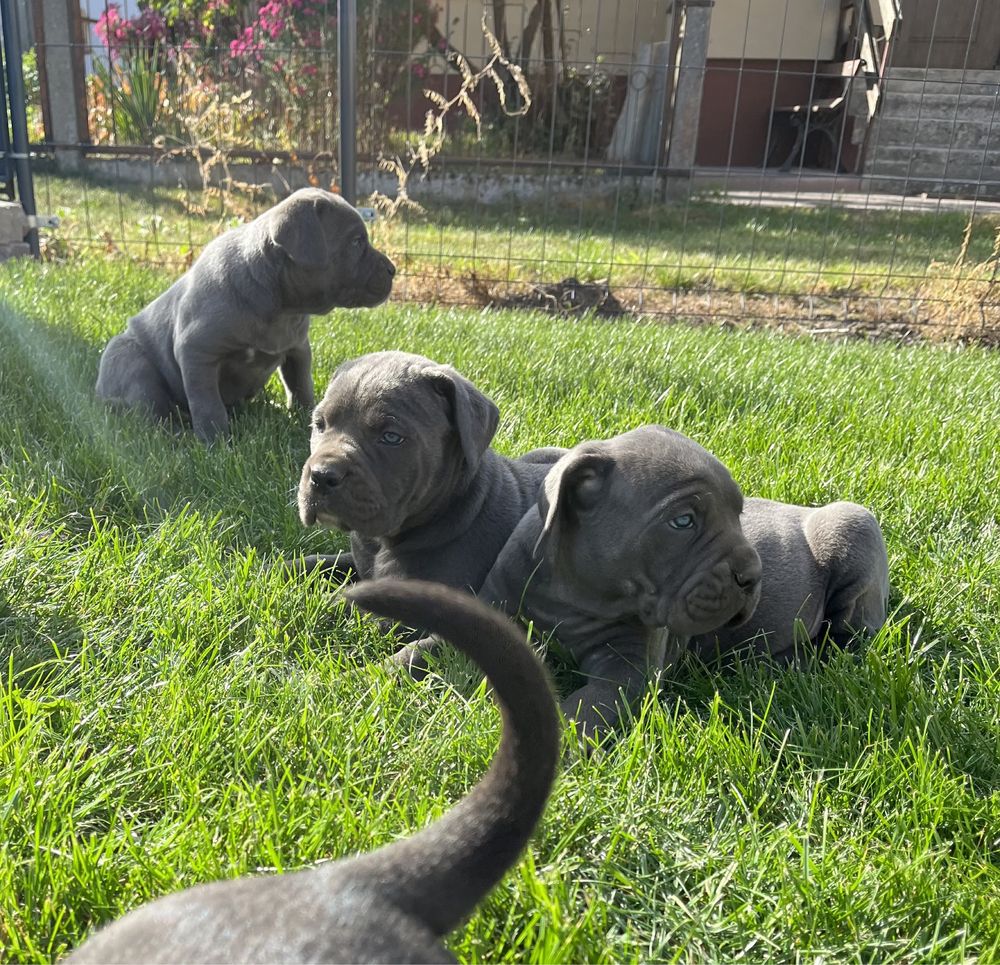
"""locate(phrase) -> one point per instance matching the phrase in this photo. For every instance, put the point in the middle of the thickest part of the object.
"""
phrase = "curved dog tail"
(441, 873)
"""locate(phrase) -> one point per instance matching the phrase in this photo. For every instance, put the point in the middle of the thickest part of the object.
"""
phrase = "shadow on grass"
(92, 462)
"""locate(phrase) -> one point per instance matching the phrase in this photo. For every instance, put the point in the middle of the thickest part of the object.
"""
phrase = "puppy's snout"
(326, 477)
(746, 570)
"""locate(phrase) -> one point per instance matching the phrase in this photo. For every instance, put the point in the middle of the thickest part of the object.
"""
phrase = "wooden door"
(948, 33)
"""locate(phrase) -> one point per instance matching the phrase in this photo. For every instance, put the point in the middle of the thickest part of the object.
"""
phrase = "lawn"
(172, 711)
(646, 249)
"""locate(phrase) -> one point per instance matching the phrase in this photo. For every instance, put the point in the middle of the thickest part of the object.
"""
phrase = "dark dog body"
(216, 336)
(395, 904)
(400, 459)
(824, 569)
(635, 546)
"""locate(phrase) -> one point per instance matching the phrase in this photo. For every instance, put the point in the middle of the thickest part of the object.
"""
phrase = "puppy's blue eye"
(390, 438)
(684, 521)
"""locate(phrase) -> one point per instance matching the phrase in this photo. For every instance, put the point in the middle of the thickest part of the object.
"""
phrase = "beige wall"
(612, 30)
(605, 29)
(769, 29)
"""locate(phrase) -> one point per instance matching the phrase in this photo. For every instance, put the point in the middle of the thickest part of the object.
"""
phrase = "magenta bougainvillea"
(116, 31)
(282, 50)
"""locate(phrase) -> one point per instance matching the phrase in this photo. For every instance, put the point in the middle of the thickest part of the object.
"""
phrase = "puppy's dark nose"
(326, 477)
(746, 581)
(391, 268)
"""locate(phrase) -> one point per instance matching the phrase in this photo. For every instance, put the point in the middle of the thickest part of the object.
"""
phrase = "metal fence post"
(18, 121)
(347, 26)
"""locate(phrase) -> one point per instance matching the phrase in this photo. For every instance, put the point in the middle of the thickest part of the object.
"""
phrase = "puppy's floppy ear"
(295, 228)
(575, 484)
(475, 415)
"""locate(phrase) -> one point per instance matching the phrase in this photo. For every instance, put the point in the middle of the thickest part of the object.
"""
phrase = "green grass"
(171, 711)
(636, 241)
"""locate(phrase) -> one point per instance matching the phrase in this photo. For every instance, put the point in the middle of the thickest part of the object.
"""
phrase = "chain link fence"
(830, 166)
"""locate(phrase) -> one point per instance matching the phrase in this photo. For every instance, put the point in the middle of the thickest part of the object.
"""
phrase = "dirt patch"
(567, 297)
(967, 314)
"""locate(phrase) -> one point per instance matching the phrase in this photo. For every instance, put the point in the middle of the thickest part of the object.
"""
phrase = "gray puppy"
(400, 458)
(635, 547)
(215, 337)
(825, 570)
(395, 904)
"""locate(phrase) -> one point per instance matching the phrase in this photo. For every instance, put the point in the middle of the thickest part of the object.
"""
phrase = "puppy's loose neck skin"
(616, 657)
(460, 499)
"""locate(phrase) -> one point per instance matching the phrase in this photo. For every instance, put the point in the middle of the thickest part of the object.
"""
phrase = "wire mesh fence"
(822, 165)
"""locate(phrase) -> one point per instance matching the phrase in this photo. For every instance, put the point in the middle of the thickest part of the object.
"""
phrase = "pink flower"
(310, 70)
(107, 23)
(244, 45)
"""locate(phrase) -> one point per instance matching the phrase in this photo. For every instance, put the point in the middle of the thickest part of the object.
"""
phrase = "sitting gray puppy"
(395, 904)
(825, 569)
(634, 547)
(215, 337)
(400, 458)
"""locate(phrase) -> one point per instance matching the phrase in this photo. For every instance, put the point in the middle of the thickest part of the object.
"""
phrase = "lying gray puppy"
(215, 337)
(395, 904)
(400, 458)
(635, 546)
(826, 568)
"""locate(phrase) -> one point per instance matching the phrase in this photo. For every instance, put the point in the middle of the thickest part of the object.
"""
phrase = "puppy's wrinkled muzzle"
(379, 283)
(332, 492)
(724, 594)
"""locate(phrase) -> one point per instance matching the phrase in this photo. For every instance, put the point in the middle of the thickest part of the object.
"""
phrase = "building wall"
(734, 128)
(611, 32)
(772, 29)
(761, 53)
(604, 31)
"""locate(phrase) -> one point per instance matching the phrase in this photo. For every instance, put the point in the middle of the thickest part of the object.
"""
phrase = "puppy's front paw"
(338, 568)
(592, 726)
(411, 659)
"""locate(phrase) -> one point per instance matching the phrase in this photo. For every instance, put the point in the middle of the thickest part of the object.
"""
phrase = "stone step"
(895, 104)
(945, 74)
(902, 85)
(935, 187)
(919, 165)
(962, 133)
(938, 155)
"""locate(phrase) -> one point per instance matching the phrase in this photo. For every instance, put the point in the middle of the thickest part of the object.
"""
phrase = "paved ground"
(815, 189)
